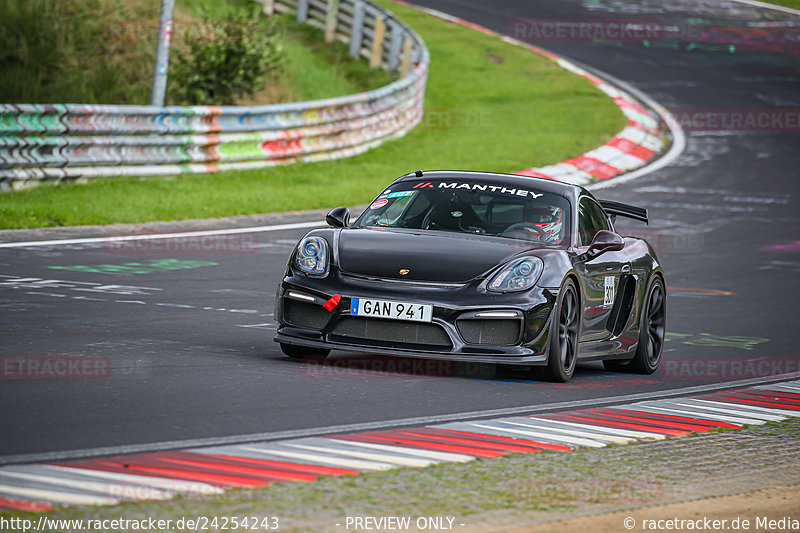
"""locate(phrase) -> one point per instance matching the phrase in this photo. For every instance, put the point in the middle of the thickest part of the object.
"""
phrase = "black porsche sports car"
(481, 267)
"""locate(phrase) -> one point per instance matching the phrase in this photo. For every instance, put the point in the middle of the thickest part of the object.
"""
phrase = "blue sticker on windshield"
(398, 194)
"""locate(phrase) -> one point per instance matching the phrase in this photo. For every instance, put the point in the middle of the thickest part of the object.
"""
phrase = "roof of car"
(553, 187)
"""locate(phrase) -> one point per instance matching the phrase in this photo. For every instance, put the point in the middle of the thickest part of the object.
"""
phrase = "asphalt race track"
(179, 345)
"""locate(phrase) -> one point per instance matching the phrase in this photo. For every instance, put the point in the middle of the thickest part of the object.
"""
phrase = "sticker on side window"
(399, 194)
(377, 204)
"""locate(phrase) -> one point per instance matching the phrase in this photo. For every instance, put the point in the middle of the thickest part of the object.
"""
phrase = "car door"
(600, 277)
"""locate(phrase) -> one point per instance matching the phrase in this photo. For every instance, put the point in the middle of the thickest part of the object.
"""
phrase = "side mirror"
(604, 241)
(339, 217)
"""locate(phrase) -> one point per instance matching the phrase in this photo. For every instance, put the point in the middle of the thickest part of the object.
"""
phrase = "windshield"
(471, 207)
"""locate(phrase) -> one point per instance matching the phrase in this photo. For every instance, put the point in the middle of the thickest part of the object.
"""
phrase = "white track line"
(97, 487)
(735, 412)
(328, 459)
(593, 435)
(670, 410)
(173, 485)
(437, 456)
(562, 439)
(57, 497)
(156, 236)
(779, 390)
(784, 387)
(769, 6)
(608, 430)
(369, 456)
(599, 432)
(744, 408)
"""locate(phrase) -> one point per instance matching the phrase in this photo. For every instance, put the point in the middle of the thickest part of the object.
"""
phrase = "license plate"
(393, 310)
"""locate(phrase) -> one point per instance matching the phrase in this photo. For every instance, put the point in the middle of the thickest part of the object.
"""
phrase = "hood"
(428, 255)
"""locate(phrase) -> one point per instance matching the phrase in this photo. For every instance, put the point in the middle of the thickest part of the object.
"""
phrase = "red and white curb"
(211, 470)
(640, 141)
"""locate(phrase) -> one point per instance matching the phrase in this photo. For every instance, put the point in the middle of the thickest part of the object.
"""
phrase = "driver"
(549, 219)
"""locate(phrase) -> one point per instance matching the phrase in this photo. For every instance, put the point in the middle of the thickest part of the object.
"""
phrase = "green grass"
(312, 69)
(490, 106)
(66, 51)
(315, 69)
(795, 4)
(101, 52)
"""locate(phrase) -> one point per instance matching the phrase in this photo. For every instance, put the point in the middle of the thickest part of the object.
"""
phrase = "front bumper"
(455, 332)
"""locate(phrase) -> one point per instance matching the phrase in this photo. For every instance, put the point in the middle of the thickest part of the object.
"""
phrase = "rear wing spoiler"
(625, 210)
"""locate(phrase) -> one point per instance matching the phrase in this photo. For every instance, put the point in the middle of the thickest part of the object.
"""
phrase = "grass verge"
(62, 51)
(311, 68)
(101, 52)
(489, 106)
(794, 4)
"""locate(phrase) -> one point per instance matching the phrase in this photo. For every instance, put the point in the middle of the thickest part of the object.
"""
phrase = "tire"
(298, 352)
(565, 328)
(652, 329)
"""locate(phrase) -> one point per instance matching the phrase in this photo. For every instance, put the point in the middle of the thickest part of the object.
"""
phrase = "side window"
(418, 206)
(591, 219)
(393, 211)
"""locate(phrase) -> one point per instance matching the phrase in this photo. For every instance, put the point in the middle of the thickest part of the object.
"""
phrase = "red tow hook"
(331, 304)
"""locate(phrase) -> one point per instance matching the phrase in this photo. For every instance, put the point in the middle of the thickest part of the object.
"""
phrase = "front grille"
(495, 331)
(380, 331)
(305, 315)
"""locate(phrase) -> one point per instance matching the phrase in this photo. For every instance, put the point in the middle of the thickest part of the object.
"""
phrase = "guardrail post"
(161, 67)
(268, 7)
(395, 45)
(408, 48)
(302, 11)
(377, 42)
(357, 31)
(331, 19)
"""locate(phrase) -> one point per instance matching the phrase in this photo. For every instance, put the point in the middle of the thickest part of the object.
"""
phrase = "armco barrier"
(68, 141)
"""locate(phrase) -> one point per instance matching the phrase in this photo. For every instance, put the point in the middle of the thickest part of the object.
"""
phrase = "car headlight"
(518, 275)
(312, 256)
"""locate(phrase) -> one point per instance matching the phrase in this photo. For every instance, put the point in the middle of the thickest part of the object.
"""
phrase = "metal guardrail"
(72, 141)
